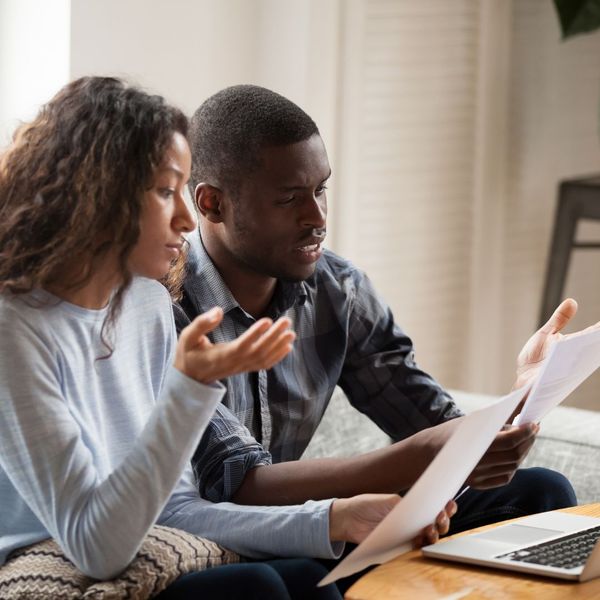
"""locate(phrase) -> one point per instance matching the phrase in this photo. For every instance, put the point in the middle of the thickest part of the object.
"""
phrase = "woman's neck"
(96, 291)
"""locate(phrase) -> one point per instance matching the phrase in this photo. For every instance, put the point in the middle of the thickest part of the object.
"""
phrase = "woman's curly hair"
(72, 183)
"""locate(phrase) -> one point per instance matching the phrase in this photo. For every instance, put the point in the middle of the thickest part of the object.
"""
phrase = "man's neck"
(251, 290)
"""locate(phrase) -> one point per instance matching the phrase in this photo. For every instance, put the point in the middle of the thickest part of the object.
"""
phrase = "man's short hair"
(231, 128)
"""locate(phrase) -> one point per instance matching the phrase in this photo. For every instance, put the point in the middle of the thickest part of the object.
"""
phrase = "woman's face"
(165, 215)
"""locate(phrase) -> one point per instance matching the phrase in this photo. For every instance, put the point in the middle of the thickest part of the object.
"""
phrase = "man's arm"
(391, 469)
(397, 467)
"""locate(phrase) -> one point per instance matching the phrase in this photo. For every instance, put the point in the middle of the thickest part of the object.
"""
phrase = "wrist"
(337, 518)
(433, 439)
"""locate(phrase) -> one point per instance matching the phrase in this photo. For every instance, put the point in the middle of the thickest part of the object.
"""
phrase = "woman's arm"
(98, 519)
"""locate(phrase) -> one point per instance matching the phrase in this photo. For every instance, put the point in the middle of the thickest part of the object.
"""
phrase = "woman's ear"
(208, 199)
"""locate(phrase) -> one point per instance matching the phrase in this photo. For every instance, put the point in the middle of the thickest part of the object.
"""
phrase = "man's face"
(278, 219)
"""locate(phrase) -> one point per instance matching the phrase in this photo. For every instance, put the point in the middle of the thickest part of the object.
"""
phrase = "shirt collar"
(205, 287)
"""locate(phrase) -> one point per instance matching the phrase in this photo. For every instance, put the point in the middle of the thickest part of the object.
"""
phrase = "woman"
(100, 407)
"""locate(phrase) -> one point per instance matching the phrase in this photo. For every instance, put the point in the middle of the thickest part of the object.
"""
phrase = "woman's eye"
(167, 192)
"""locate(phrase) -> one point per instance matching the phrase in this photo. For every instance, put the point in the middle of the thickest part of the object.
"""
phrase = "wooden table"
(412, 576)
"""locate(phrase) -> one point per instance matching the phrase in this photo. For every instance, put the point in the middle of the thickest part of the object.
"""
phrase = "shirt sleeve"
(380, 375)
(99, 523)
(227, 451)
(256, 531)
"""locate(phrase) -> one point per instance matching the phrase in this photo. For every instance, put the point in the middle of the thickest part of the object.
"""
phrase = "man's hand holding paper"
(503, 457)
(512, 444)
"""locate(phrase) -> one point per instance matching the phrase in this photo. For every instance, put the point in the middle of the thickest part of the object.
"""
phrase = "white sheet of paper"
(439, 483)
(570, 362)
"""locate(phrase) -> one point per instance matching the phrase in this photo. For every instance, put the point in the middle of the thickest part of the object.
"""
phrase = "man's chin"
(298, 275)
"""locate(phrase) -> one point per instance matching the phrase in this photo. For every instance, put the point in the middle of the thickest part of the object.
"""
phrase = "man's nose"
(315, 213)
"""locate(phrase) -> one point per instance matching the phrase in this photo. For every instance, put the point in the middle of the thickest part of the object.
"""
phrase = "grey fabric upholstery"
(344, 431)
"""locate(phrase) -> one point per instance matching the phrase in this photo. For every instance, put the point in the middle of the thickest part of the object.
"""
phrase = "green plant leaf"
(578, 16)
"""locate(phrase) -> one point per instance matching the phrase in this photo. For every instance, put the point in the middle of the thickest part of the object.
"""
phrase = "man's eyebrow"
(289, 188)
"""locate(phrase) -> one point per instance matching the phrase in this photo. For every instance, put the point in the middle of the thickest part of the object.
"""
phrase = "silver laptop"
(555, 544)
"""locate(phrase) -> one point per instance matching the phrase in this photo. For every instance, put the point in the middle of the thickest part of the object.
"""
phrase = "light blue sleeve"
(98, 522)
(255, 531)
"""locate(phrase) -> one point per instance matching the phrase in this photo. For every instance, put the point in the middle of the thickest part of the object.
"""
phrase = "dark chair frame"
(578, 199)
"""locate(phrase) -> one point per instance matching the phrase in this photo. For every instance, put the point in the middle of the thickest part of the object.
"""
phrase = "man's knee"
(544, 489)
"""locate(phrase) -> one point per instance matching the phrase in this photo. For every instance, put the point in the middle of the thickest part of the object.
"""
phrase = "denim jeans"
(282, 579)
(531, 491)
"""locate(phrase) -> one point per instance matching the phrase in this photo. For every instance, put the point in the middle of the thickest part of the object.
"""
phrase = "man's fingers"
(507, 458)
(560, 317)
(200, 326)
(513, 437)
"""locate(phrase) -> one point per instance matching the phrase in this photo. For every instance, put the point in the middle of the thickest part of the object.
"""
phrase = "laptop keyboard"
(567, 552)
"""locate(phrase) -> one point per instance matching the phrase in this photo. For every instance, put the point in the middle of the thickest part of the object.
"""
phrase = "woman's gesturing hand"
(263, 345)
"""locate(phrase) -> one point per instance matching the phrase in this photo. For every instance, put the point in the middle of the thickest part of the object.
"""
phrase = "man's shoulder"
(336, 266)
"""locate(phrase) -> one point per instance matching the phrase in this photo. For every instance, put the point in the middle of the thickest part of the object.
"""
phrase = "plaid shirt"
(346, 336)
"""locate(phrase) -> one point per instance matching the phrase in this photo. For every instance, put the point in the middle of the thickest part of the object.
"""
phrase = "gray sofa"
(568, 442)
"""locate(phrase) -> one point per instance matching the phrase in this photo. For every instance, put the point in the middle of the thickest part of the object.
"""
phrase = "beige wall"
(34, 57)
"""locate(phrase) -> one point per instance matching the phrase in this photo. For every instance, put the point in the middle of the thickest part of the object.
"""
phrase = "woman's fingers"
(266, 344)
(260, 347)
(200, 326)
(245, 342)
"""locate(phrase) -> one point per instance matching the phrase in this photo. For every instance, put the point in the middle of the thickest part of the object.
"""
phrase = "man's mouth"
(310, 248)
(309, 253)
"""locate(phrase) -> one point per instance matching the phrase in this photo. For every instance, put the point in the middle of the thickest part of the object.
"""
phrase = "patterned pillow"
(43, 571)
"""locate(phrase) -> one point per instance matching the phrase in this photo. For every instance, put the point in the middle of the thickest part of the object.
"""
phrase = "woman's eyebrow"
(175, 170)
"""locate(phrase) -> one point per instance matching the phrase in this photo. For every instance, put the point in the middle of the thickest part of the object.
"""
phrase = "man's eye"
(320, 190)
(287, 200)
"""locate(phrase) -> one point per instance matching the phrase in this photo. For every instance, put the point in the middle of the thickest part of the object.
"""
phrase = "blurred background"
(449, 124)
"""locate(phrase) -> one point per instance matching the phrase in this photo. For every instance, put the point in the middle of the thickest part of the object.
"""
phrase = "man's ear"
(209, 199)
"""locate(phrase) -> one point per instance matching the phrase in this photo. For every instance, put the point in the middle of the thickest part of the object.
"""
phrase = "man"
(259, 179)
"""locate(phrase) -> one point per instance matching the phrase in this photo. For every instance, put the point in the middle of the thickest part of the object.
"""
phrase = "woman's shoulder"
(21, 319)
(148, 299)
(17, 308)
(152, 290)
